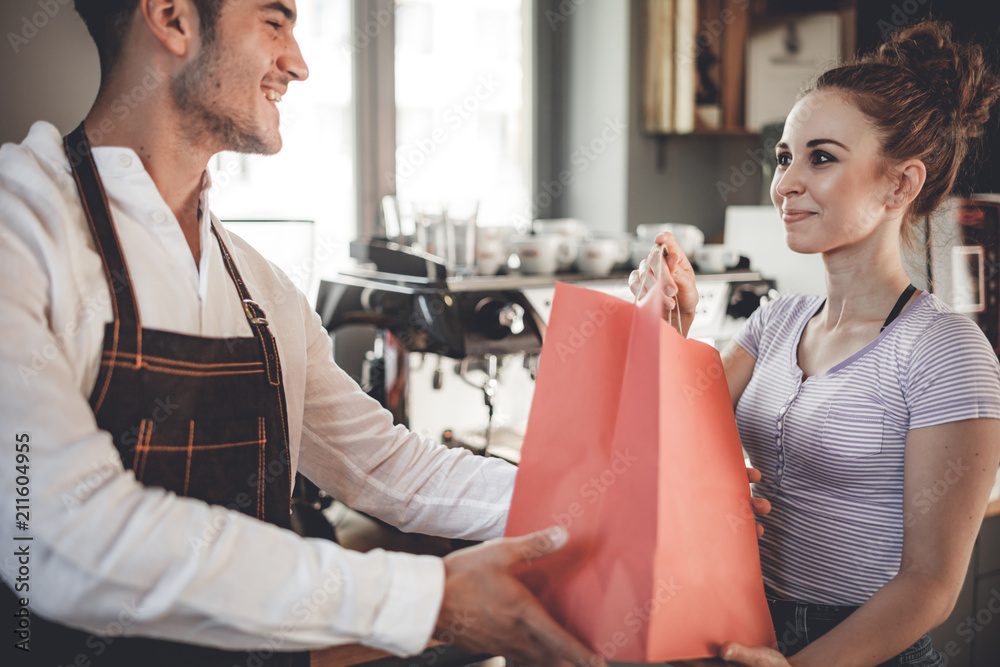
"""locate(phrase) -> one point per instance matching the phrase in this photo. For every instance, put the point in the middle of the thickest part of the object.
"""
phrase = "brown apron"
(202, 417)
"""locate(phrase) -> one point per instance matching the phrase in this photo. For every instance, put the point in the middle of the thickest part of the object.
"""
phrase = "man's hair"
(109, 21)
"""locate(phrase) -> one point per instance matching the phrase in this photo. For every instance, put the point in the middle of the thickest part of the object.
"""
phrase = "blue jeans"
(798, 624)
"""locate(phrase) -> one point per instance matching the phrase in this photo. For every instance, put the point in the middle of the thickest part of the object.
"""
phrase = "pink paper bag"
(632, 446)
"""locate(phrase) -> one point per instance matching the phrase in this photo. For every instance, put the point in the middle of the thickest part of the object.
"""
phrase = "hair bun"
(954, 75)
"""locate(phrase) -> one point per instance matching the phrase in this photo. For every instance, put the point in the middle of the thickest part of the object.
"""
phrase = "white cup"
(490, 256)
(492, 249)
(716, 258)
(688, 237)
(542, 254)
(597, 256)
(640, 250)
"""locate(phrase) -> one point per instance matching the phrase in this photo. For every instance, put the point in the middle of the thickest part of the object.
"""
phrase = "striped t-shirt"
(830, 449)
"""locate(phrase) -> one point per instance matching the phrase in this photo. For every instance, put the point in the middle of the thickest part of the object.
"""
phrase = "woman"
(855, 405)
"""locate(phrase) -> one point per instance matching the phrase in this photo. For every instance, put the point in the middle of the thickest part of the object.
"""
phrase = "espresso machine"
(398, 302)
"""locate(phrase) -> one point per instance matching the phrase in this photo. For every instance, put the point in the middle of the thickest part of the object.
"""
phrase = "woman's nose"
(788, 181)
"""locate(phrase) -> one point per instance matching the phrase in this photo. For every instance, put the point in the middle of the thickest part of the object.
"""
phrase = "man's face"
(229, 92)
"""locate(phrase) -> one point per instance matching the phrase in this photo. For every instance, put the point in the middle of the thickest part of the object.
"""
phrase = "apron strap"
(127, 327)
(255, 315)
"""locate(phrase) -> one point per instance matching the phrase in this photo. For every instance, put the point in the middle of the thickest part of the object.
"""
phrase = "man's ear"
(908, 181)
(174, 23)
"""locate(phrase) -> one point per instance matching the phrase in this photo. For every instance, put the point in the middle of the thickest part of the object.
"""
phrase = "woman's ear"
(174, 23)
(907, 182)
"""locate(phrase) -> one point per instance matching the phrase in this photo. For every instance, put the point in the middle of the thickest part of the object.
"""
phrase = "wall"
(48, 66)
(581, 90)
(592, 72)
(977, 22)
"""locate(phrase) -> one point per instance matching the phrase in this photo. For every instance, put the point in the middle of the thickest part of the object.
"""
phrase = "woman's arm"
(949, 471)
(739, 365)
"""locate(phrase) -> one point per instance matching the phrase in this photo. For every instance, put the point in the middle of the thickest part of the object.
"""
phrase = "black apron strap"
(127, 335)
(900, 304)
(255, 316)
(127, 327)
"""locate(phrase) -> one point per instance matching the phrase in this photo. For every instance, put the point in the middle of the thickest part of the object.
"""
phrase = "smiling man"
(168, 383)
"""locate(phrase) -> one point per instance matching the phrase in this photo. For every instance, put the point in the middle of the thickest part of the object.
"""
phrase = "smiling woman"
(851, 406)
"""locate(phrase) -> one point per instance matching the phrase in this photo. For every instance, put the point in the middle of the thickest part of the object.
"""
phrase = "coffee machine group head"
(413, 305)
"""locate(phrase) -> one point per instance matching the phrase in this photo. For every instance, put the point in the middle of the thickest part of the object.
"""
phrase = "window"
(312, 178)
(461, 108)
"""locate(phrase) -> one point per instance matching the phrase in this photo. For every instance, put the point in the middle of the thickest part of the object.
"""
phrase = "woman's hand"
(737, 654)
(759, 656)
(761, 506)
(676, 281)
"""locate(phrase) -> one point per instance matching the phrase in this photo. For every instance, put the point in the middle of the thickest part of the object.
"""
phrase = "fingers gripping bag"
(632, 446)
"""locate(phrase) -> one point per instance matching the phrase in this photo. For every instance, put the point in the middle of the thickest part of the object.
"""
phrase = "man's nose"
(293, 63)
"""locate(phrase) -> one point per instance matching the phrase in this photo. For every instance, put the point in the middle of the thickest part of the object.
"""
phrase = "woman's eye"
(819, 157)
(784, 159)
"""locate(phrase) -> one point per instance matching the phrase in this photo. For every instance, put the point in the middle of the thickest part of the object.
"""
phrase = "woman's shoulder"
(790, 306)
(930, 316)
(935, 329)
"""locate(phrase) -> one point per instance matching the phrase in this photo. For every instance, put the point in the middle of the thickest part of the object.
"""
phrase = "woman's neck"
(863, 283)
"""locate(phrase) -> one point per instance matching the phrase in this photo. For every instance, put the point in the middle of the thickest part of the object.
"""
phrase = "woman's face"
(829, 186)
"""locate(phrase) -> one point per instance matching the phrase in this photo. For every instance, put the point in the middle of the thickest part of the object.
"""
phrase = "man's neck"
(154, 131)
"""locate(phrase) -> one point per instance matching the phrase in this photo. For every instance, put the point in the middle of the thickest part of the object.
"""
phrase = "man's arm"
(352, 450)
(103, 542)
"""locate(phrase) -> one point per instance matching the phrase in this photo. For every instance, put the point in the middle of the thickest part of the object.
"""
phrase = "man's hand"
(760, 505)
(487, 610)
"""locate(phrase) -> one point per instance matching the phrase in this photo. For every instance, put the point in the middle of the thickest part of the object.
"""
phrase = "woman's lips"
(792, 215)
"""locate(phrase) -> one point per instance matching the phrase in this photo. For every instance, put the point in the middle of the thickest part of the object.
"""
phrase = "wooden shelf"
(689, 62)
(993, 508)
(694, 49)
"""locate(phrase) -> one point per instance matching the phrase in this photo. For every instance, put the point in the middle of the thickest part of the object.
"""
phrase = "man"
(164, 383)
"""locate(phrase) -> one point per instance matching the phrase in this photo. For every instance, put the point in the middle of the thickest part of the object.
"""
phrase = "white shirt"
(106, 546)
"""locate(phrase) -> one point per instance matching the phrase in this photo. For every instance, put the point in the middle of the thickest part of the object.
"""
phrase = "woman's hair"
(927, 96)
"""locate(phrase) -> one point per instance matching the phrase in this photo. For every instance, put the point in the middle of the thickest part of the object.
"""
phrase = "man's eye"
(274, 24)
